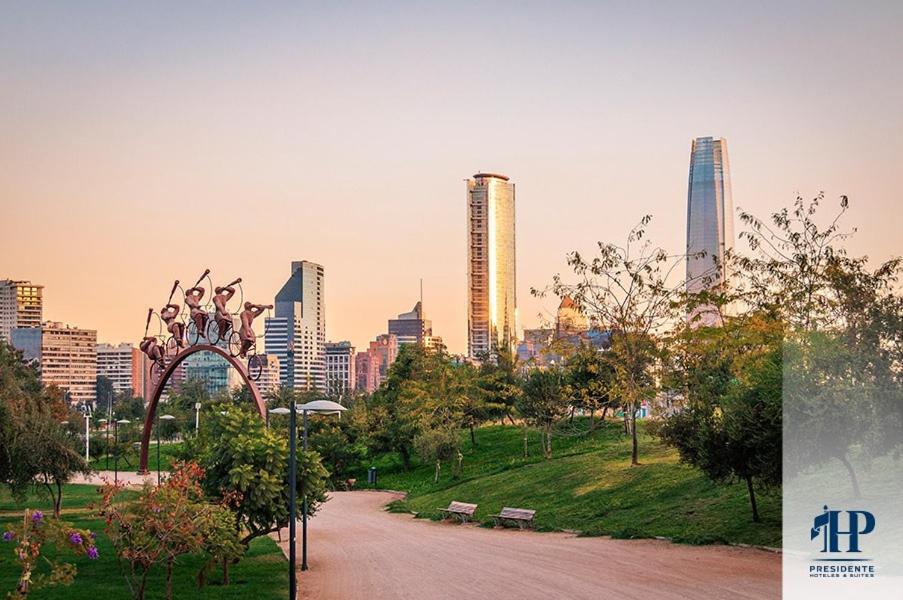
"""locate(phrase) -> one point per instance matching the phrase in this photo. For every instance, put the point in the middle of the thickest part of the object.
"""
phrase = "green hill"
(589, 486)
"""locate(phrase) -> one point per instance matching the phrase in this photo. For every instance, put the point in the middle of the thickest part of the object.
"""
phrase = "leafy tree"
(498, 380)
(542, 403)
(392, 422)
(437, 445)
(630, 290)
(165, 522)
(246, 464)
(729, 420)
(105, 394)
(589, 379)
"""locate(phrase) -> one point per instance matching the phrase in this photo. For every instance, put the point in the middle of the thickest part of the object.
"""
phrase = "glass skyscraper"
(491, 283)
(710, 216)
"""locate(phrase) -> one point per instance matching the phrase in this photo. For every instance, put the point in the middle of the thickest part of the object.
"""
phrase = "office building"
(340, 373)
(491, 281)
(268, 382)
(21, 306)
(67, 357)
(296, 335)
(710, 214)
(123, 366)
(413, 328)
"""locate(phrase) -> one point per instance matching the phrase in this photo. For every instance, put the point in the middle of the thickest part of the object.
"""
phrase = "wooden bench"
(522, 516)
(461, 510)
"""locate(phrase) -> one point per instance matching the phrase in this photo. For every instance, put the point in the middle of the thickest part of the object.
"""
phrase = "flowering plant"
(35, 532)
(165, 522)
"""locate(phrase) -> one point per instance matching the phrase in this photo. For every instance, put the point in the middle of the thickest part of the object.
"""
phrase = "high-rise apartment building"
(67, 357)
(123, 365)
(340, 362)
(296, 335)
(362, 382)
(268, 382)
(491, 283)
(710, 218)
(20, 306)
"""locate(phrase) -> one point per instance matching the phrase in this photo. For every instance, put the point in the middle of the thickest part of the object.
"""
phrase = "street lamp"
(321, 407)
(197, 417)
(107, 433)
(159, 418)
(87, 433)
(116, 437)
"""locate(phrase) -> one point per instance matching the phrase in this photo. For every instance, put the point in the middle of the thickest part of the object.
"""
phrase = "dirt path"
(358, 551)
(129, 477)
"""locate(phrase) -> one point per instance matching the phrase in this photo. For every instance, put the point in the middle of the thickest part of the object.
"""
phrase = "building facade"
(710, 219)
(491, 268)
(21, 306)
(123, 365)
(340, 372)
(296, 335)
(67, 357)
(268, 382)
(362, 372)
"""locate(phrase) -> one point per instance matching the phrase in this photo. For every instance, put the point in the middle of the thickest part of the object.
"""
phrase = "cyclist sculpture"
(246, 332)
(193, 297)
(223, 317)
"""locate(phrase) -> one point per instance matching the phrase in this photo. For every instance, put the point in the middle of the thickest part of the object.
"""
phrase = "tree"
(498, 380)
(392, 422)
(437, 445)
(589, 379)
(246, 465)
(541, 403)
(843, 334)
(165, 522)
(728, 423)
(631, 291)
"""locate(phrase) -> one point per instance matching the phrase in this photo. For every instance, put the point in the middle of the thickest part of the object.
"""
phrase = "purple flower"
(92, 553)
(8, 536)
(76, 538)
(36, 516)
(93, 535)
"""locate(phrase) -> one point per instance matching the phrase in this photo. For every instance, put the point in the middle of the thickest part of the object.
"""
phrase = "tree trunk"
(225, 571)
(853, 480)
(592, 419)
(58, 499)
(405, 458)
(438, 466)
(634, 451)
(604, 410)
(752, 499)
(571, 418)
(473, 436)
(525, 440)
(169, 579)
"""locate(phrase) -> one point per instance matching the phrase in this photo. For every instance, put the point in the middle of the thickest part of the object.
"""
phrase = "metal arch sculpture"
(161, 385)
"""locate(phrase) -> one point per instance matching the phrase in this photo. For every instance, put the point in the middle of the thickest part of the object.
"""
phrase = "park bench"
(522, 516)
(461, 510)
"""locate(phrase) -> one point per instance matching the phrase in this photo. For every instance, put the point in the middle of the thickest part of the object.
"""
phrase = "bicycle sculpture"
(192, 325)
(199, 325)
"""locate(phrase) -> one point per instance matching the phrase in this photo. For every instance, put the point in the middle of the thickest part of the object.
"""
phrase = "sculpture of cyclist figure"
(246, 332)
(170, 314)
(152, 348)
(193, 297)
(223, 317)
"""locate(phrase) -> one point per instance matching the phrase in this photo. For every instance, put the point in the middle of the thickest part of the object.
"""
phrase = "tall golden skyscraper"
(491, 281)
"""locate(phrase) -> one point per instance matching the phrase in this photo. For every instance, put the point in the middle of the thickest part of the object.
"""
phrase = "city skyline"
(114, 154)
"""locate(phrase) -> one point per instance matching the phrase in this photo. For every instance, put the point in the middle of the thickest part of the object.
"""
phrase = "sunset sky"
(139, 144)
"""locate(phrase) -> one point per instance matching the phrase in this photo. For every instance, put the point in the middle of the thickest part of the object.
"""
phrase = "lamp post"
(322, 407)
(159, 418)
(197, 417)
(116, 437)
(87, 433)
(107, 445)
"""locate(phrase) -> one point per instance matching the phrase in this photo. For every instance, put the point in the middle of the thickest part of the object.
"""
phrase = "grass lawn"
(262, 574)
(589, 486)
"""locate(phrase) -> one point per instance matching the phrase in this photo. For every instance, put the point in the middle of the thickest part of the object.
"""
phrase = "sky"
(142, 143)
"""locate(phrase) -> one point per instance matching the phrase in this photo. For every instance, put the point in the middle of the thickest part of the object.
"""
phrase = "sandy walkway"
(359, 551)
(129, 477)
